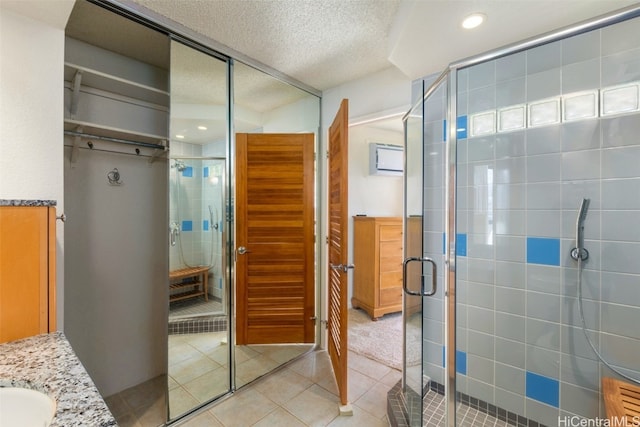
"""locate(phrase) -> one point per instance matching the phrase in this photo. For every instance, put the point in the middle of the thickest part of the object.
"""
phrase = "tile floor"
(304, 393)
(434, 408)
(301, 394)
(199, 366)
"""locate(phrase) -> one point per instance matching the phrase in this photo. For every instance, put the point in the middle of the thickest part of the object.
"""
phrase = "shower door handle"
(434, 273)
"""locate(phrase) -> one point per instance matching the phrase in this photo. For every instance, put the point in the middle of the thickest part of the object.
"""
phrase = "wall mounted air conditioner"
(385, 159)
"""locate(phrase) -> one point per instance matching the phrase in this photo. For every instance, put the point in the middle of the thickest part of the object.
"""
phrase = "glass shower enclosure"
(522, 200)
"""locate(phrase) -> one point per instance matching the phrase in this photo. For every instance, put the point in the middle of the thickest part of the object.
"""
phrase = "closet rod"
(118, 140)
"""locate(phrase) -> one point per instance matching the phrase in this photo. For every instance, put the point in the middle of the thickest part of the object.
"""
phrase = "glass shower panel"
(412, 314)
(542, 138)
(199, 357)
(425, 236)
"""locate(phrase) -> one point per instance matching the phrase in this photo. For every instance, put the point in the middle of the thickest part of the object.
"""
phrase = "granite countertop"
(6, 202)
(47, 363)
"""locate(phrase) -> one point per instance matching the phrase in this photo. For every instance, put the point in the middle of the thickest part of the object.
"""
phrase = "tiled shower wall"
(192, 191)
(520, 342)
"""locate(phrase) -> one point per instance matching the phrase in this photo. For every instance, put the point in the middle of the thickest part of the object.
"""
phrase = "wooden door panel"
(275, 223)
(27, 271)
(338, 240)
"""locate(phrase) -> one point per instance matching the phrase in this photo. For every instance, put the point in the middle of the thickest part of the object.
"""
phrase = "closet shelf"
(99, 80)
(111, 132)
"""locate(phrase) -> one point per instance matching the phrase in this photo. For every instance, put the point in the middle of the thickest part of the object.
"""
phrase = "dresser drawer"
(391, 280)
(390, 232)
(391, 296)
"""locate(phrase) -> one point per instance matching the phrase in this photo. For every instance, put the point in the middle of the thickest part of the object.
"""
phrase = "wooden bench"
(621, 402)
(198, 285)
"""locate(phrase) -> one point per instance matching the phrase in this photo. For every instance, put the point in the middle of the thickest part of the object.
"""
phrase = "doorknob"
(242, 250)
(342, 267)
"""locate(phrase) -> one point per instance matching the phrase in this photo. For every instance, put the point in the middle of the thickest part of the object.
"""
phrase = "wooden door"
(338, 244)
(27, 271)
(275, 238)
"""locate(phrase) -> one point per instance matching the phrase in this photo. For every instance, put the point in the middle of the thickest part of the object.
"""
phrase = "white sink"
(22, 407)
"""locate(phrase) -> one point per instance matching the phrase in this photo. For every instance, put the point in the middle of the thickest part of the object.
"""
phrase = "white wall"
(371, 195)
(31, 102)
(117, 259)
(300, 116)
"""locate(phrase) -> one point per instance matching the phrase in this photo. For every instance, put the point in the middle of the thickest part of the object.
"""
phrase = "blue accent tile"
(461, 362)
(444, 130)
(543, 251)
(444, 243)
(444, 357)
(461, 127)
(205, 225)
(188, 172)
(187, 226)
(461, 244)
(543, 389)
(205, 172)
(220, 283)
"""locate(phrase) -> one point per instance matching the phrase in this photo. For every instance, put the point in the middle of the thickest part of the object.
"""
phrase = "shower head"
(179, 165)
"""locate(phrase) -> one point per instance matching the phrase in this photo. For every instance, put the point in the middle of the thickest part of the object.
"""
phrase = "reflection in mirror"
(265, 105)
(198, 300)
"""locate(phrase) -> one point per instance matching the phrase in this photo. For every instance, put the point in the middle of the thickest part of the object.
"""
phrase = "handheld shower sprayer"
(214, 225)
(579, 252)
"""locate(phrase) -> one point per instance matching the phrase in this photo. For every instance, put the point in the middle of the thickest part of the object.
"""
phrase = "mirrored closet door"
(198, 362)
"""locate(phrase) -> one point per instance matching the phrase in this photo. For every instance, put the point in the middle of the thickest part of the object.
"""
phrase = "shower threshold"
(197, 316)
(470, 412)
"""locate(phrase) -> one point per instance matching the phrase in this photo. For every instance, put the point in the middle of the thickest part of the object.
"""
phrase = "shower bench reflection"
(190, 282)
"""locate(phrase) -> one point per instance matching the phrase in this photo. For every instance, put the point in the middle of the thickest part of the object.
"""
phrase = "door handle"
(434, 274)
(342, 267)
(242, 250)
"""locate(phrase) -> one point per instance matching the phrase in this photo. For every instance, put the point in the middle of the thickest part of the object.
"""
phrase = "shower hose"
(584, 328)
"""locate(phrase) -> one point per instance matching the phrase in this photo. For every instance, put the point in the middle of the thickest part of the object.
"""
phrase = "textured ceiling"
(319, 42)
(324, 43)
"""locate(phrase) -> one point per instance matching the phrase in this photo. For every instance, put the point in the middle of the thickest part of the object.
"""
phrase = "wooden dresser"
(27, 271)
(377, 255)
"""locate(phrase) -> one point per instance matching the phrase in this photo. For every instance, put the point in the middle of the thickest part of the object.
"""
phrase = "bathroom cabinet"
(27, 271)
(377, 256)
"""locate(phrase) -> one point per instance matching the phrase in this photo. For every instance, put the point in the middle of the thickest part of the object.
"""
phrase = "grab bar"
(434, 272)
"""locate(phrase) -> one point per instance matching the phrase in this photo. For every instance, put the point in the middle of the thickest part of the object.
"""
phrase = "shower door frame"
(450, 76)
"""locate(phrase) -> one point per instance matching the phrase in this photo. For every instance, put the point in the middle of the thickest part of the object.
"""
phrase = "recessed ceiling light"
(202, 128)
(474, 20)
(180, 136)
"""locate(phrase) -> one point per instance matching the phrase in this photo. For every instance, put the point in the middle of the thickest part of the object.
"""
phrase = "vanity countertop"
(48, 363)
(12, 202)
